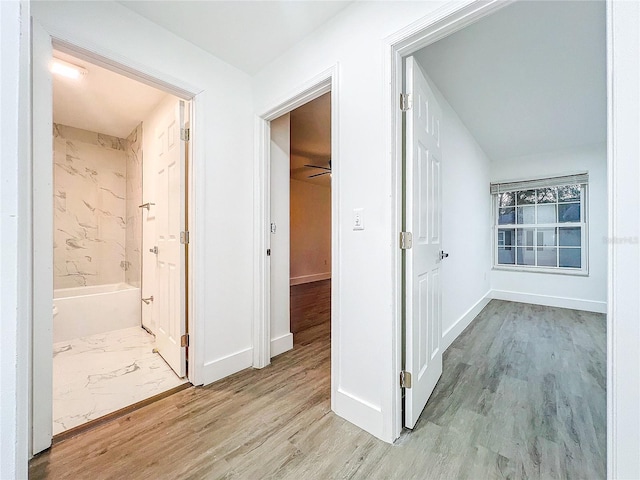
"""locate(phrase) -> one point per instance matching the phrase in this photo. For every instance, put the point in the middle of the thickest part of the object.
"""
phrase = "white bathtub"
(86, 311)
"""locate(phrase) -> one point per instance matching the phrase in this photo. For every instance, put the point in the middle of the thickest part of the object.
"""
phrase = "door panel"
(423, 357)
(169, 302)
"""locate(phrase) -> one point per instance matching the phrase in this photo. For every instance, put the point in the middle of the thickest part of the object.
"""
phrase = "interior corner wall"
(15, 39)
(310, 208)
(223, 167)
(466, 229)
(363, 368)
(568, 291)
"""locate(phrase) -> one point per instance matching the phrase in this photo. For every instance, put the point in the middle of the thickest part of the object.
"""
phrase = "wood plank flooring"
(310, 305)
(522, 396)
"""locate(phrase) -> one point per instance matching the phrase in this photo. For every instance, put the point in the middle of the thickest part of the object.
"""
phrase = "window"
(540, 225)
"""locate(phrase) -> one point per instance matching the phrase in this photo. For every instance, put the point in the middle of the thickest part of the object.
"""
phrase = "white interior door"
(169, 298)
(422, 261)
(279, 260)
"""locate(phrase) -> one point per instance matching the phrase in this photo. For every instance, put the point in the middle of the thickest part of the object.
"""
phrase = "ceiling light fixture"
(67, 69)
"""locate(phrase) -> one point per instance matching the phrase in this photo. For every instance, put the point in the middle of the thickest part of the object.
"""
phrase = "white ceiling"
(245, 34)
(102, 101)
(530, 78)
(311, 140)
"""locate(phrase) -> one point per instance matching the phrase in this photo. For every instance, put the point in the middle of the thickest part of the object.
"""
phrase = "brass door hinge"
(406, 240)
(184, 340)
(405, 379)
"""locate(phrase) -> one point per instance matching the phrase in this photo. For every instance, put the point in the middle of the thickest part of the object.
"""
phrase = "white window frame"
(583, 224)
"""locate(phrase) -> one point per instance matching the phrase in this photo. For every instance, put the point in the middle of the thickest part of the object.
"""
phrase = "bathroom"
(106, 356)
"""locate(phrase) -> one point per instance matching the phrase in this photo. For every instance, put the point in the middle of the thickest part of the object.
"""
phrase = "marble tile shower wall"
(133, 241)
(90, 172)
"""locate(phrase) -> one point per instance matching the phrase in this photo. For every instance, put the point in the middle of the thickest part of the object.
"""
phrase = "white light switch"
(358, 218)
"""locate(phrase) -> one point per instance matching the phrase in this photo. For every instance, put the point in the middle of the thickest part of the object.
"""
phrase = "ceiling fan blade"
(317, 166)
(319, 174)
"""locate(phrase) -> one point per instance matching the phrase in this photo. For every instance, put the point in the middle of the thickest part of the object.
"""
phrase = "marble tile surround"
(99, 374)
(89, 208)
(97, 222)
(133, 235)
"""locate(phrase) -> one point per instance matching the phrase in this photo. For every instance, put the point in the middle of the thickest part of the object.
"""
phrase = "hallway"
(522, 395)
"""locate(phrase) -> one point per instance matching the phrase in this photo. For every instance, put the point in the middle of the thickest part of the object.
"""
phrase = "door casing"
(322, 83)
(41, 371)
(441, 23)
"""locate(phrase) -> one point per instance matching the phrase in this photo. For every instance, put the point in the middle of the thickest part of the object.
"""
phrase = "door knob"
(146, 205)
(443, 255)
(148, 300)
(154, 250)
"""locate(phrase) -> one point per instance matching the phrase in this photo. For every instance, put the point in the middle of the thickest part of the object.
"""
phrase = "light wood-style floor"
(522, 396)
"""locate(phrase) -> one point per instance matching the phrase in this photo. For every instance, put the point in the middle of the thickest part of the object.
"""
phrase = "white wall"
(14, 302)
(354, 39)
(280, 310)
(310, 232)
(623, 305)
(466, 232)
(570, 291)
(222, 235)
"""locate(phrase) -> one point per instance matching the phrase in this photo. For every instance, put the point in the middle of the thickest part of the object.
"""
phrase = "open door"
(423, 294)
(169, 302)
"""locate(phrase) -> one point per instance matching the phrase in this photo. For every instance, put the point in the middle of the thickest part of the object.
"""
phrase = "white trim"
(316, 277)
(464, 321)
(359, 412)
(42, 264)
(282, 344)
(442, 22)
(42, 244)
(623, 276)
(550, 301)
(215, 370)
(326, 81)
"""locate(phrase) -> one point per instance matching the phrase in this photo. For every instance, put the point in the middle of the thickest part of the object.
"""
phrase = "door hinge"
(406, 240)
(268, 252)
(405, 101)
(405, 379)
(185, 134)
(184, 237)
(184, 340)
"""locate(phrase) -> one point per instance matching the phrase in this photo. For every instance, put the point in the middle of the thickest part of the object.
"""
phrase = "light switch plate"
(358, 218)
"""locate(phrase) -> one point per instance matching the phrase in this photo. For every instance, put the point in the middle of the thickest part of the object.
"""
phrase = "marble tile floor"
(100, 374)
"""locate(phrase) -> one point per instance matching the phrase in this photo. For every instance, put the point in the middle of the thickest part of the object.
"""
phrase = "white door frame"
(326, 81)
(441, 23)
(42, 194)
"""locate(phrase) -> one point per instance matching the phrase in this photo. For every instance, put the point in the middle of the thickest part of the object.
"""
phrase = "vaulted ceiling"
(530, 78)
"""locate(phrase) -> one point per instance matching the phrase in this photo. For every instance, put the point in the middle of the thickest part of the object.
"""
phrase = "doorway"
(324, 83)
(480, 161)
(117, 335)
(300, 224)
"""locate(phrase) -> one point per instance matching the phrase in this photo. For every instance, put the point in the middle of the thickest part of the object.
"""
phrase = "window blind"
(501, 187)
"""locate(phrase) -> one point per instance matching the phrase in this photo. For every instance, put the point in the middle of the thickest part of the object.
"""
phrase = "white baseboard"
(464, 321)
(550, 301)
(359, 412)
(282, 344)
(225, 366)
(310, 278)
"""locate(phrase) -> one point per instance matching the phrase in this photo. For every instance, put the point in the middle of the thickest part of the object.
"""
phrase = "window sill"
(553, 271)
